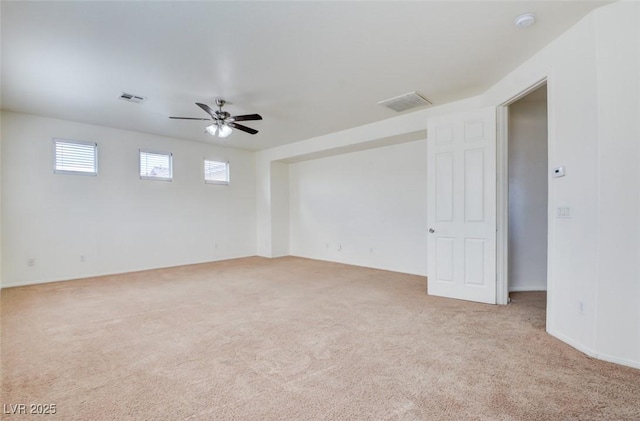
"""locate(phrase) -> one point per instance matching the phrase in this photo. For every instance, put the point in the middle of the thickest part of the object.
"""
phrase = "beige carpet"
(293, 339)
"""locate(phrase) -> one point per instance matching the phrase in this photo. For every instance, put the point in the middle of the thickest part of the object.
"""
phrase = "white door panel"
(462, 206)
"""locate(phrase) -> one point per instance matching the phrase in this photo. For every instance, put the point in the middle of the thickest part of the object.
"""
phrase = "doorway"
(528, 192)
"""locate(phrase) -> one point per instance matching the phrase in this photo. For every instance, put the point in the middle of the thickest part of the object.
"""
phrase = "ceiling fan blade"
(189, 118)
(243, 128)
(207, 109)
(247, 117)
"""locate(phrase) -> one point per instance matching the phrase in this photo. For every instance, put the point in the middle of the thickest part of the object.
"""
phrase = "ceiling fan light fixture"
(224, 131)
(211, 129)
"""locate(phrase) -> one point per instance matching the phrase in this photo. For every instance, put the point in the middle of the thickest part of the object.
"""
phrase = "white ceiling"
(309, 68)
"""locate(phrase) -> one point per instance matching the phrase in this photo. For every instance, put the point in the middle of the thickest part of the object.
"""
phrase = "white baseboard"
(98, 274)
(358, 264)
(591, 353)
(527, 288)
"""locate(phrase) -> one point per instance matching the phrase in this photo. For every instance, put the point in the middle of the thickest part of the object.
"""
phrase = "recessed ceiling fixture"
(223, 122)
(525, 21)
(132, 98)
(405, 102)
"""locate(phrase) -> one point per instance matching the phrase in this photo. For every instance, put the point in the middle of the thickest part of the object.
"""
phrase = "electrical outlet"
(83, 258)
(559, 172)
(581, 307)
(31, 261)
(340, 247)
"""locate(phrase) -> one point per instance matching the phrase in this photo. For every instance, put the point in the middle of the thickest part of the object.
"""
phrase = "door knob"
(431, 230)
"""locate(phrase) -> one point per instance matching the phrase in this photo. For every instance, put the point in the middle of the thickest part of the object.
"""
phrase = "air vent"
(405, 102)
(132, 98)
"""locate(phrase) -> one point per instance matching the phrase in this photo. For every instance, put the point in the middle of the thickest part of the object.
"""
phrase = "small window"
(216, 172)
(75, 157)
(156, 165)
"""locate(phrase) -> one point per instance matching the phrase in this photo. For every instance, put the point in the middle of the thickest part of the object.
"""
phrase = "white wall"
(570, 64)
(1, 206)
(594, 274)
(280, 213)
(528, 177)
(271, 205)
(263, 206)
(617, 330)
(119, 222)
(366, 208)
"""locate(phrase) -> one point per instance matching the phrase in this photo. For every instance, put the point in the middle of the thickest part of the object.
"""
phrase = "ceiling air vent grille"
(132, 98)
(405, 102)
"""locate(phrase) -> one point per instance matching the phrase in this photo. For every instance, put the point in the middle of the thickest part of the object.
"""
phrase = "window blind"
(155, 165)
(75, 157)
(216, 172)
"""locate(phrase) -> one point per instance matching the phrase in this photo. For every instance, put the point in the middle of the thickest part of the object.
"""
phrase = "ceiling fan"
(223, 122)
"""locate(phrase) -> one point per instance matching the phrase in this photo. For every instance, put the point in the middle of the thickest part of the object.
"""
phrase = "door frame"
(502, 189)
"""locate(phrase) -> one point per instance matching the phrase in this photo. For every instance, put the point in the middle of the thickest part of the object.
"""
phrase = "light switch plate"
(563, 212)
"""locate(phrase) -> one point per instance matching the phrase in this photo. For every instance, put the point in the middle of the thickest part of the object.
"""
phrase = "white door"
(461, 168)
